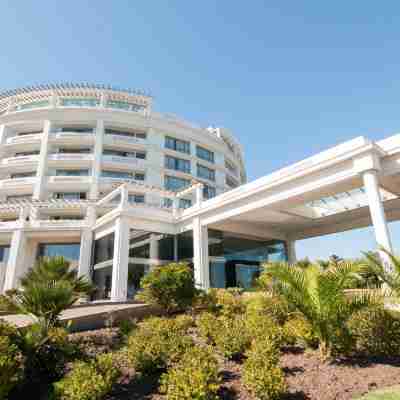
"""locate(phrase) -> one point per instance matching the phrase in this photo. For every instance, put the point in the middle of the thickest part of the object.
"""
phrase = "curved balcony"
(25, 139)
(73, 183)
(72, 137)
(16, 183)
(122, 141)
(70, 159)
(20, 160)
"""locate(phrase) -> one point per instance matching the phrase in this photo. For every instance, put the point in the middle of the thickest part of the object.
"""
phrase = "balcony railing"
(24, 138)
(71, 157)
(11, 182)
(20, 159)
(124, 160)
(71, 135)
(121, 139)
(68, 179)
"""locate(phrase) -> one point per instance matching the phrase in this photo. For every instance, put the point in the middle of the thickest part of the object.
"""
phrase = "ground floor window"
(70, 251)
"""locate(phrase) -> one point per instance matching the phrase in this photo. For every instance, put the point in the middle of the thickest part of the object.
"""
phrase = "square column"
(291, 251)
(96, 166)
(85, 253)
(39, 192)
(382, 236)
(119, 280)
(200, 255)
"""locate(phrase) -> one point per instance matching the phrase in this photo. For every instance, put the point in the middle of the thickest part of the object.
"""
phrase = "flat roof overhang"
(283, 205)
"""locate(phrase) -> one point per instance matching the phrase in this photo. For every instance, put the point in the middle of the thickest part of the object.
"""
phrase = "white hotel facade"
(94, 174)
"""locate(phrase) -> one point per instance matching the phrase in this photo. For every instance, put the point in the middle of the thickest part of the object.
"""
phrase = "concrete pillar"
(154, 254)
(96, 165)
(291, 251)
(119, 281)
(39, 192)
(382, 236)
(199, 194)
(176, 255)
(85, 253)
(15, 265)
(200, 255)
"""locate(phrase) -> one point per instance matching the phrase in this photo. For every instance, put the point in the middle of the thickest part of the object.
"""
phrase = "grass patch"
(384, 394)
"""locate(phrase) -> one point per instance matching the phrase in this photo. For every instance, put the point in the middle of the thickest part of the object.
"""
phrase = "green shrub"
(126, 326)
(184, 322)
(229, 301)
(260, 327)
(156, 343)
(271, 306)
(88, 381)
(376, 332)
(207, 324)
(231, 337)
(261, 374)
(195, 376)
(10, 366)
(170, 287)
(299, 331)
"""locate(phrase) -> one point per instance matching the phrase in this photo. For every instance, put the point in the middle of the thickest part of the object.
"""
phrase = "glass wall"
(70, 251)
(104, 248)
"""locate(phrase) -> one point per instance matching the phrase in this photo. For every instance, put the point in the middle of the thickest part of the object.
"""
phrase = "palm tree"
(319, 295)
(45, 292)
(375, 266)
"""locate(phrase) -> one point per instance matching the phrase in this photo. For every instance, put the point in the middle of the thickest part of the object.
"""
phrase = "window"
(138, 135)
(104, 248)
(209, 192)
(68, 250)
(34, 104)
(4, 252)
(177, 145)
(72, 172)
(75, 150)
(70, 195)
(183, 203)
(177, 164)
(136, 198)
(205, 154)
(23, 175)
(29, 133)
(231, 168)
(131, 154)
(19, 197)
(205, 173)
(27, 153)
(89, 102)
(175, 184)
(116, 174)
(139, 176)
(230, 182)
(123, 105)
(77, 129)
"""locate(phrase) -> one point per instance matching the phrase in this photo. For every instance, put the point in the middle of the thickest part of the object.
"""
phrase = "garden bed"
(306, 376)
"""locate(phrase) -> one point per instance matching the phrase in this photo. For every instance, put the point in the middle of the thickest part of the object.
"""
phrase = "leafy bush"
(156, 343)
(195, 376)
(273, 306)
(261, 374)
(298, 331)
(88, 381)
(229, 301)
(10, 366)
(231, 336)
(183, 322)
(170, 287)
(207, 324)
(126, 326)
(376, 332)
(262, 327)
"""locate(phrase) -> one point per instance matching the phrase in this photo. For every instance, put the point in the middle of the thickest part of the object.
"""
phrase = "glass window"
(119, 153)
(209, 192)
(183, 203)
(70, 251)
(23, 175)
(177, 164)
(72, 172)
(139, 176)
(205, 154)
(116, 174)
(175, 184)
(205, 173)
(117, 132)
(72, 102)
(123, 105)
(136, 198)
(70, 195)
(77, 129)
(26, 197)
(29, 133)
(104, 248)
(34, 104)
(178, 145)
(4, 253)
(27, 153)
(75, 150)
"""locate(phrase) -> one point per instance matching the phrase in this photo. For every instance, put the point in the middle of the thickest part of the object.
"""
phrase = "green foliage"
(10, 366)
(261, 374)
(46, 291)
(229, 301)
(207, 324)
(274, 307)
(195, 376)
(126, 327)
(376, 332)
(170, 287)
(263, 327)
(319, 295)
(156, 343)
(88, 381)
(231, 336)
(299, 331)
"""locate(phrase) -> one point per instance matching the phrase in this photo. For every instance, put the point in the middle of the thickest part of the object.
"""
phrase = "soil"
(307, 377)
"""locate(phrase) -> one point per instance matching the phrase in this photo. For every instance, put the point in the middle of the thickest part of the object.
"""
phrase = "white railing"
(9, 225)
(75, 179)
(17, 181)
(72, 135)
(71, 156)
(24, 138)
(60, 223)
(116, 139)
(125, 160)
(19, 159)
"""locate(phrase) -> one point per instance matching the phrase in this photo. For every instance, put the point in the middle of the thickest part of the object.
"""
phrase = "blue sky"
(288, 78)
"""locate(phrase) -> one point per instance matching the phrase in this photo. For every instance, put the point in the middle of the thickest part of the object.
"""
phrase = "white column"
(199, 194)
(176, 255)
(39, 192)
(119, 281)
(200, 255)
(97, 154)
(291, 249)
(153, 247)
(15, 265)
(85, 253)
(382, 236)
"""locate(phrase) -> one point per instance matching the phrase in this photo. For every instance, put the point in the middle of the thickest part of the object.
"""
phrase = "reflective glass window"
(177, 144)
(205, 154)
(70, 251)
